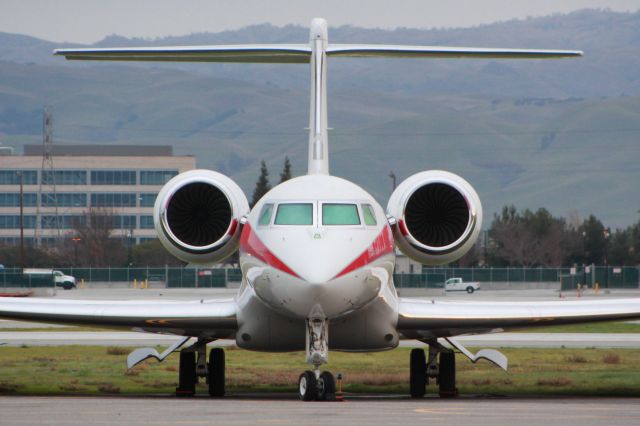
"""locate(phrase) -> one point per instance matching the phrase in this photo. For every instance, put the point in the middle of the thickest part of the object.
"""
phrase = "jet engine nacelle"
(438, 216)
(197, 216)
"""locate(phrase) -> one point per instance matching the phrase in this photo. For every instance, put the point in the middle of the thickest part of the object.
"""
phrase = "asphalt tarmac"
(286, 409)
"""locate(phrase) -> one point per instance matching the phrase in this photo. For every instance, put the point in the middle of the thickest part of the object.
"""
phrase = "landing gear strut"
(440, 366)
(191, 370)
(313, 385)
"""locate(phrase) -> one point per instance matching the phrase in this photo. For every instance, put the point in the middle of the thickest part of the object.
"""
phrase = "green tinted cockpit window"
(340, 214)
(265, 215)
(369, 215)
(295, 214)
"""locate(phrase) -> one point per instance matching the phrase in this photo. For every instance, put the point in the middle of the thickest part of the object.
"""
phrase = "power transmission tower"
(45, 218)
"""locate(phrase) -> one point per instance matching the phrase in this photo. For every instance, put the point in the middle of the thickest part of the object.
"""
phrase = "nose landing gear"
(313, 385)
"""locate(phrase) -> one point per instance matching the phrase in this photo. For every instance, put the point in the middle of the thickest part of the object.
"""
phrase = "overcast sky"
(87, 21)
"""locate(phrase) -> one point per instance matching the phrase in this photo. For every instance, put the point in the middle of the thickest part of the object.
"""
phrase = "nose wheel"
(312, 388)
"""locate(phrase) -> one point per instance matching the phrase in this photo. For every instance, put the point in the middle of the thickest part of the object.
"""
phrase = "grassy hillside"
(557, 134)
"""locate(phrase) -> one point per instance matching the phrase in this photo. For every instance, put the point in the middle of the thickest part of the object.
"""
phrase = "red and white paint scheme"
(317, 252)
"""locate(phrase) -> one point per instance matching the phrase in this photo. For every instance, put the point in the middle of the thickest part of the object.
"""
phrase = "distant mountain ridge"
(557, 134)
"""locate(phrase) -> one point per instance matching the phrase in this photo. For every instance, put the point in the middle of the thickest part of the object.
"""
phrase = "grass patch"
(85, 370)
(117, 350)
(611, 358)
(597, 327)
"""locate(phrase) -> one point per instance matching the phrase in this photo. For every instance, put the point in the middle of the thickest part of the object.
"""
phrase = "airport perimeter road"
(285, 410)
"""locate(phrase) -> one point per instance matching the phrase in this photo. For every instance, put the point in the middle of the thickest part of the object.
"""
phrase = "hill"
(558, 134)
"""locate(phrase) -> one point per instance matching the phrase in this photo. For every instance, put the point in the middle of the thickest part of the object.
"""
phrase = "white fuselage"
(318, 245)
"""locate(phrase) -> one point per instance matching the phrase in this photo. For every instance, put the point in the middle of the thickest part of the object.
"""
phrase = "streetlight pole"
(75, 240)
(130, 248)
(584, 257)
(393, 179)
(606, 235)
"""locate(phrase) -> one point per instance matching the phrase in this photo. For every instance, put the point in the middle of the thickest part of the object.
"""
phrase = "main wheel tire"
(187, 374)
(417, 373)
(308, 386)
(447, 375)
(470, 290)
(216, 372)
(327, 387)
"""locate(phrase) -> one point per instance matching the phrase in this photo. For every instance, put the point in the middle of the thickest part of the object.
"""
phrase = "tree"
(262, 185)
(96, 245)
(595, 240)
(152, 253)
(286, 170)
(530, 238)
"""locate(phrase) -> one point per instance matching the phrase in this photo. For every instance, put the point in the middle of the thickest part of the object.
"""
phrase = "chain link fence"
(431, 277)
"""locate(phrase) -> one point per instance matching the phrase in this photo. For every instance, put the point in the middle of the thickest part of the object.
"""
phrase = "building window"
(124, 222)
(10, 177)
(113, 199)
(14, 241)
(13, 221)
(156, 177)
(62, 199)
(65, 177)
(65, 222)
(147, 199)
(146, 222)
(12, 199)
(113, 177)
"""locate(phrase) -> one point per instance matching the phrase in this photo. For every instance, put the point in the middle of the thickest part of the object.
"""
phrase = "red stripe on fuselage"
(383, 244)
(251, 244)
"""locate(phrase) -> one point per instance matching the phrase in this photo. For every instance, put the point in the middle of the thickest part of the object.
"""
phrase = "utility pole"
(19, 173)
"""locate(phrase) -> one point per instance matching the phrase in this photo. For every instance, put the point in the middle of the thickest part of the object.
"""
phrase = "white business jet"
(316, 252)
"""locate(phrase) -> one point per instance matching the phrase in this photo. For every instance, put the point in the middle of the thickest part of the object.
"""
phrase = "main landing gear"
(314, 385)
(440, 366)
(191, 369)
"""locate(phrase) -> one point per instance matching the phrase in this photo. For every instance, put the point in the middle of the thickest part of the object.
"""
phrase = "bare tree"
(95, 243)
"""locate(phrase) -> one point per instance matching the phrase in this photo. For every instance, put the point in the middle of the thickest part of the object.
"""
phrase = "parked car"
(457, 284)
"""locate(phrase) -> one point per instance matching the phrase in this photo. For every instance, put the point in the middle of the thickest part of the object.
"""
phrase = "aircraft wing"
(427, 319)
(201, 318)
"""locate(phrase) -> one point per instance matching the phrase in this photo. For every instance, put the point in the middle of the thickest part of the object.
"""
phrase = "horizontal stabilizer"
(298, 53)
(395, 51)
(261, 53)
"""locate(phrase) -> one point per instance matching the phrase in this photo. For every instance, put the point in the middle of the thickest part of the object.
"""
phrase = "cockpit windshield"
(340, 214)
(294, 214)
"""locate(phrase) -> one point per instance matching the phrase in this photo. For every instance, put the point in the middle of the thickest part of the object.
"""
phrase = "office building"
(121, 180)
